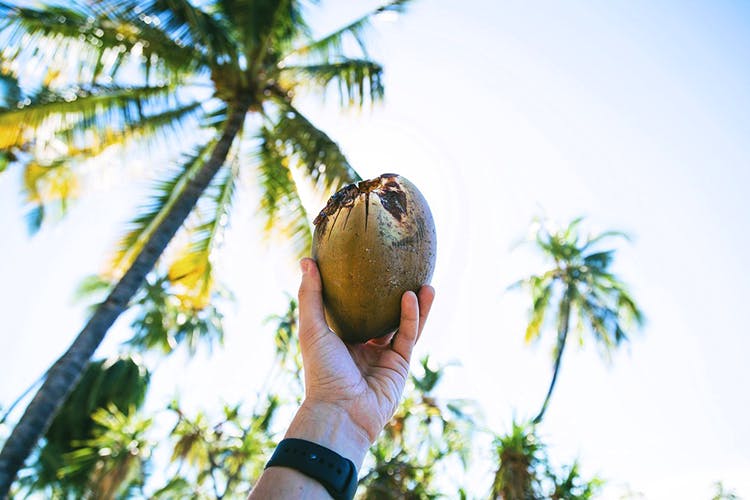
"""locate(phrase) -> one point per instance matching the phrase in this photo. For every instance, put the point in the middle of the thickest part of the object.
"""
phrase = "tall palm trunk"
(562, 336)
(62, 377)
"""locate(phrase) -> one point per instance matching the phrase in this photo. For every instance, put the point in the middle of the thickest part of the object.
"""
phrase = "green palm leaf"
(50, 186)
(315, 151)
(166, 320)
(105, 42)
(191, 272)
(10, 91)
(118, 383)
(265, 25)
(114, 456)
(150, 130)
(144, 224)
(280, 203)
(358, 80)
(55, 184)
(541, 290)
(593, 240)
(77, 110)
(187, 22)
(331, 46)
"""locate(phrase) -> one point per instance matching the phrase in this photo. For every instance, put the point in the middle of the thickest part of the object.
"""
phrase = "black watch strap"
(337, 474)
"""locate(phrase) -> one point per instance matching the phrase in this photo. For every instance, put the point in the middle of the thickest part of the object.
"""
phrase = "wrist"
(331, 426)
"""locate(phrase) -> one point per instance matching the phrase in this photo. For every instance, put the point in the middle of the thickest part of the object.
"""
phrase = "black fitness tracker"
(337, 474)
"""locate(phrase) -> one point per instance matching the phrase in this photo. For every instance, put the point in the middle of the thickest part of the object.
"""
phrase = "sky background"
(635, 114)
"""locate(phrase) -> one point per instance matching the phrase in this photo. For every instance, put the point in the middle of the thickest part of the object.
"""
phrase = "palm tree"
(519, 455)
(126, 71)
(65, 466)
(578, 285)
(525, 470)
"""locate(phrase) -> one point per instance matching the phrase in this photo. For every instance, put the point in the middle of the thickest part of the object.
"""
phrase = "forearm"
(281, 482)
(326, 425)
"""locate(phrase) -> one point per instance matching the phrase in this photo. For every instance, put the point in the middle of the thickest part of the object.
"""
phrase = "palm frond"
(191, 273)
(51, 184)
(166, 320)
(331, 46)
(616, 295)
(602, 320)
(592, 240)
(316, 152)
(104, 107)
(120, 383)
(160, 126)
(571, 486)
(189, 23)
(191, 439)
(570, 233)
(80, 35)
(629, 310)
(541, 293)
(280, 203)
(358, 81)
(115, 454)
(48, 186)
(10, 90)
(144, 224)
(599, 261)
(85, 140)
(265, 26)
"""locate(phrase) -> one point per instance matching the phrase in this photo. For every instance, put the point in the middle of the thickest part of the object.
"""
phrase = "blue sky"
(635, 114)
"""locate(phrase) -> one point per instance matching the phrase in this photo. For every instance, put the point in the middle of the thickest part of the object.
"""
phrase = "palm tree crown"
(216, 82)
(578, 286)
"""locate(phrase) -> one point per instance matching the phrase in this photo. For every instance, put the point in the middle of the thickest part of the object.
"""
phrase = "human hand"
(351, 391)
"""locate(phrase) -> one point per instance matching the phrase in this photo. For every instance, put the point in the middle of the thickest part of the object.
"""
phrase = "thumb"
(311, 318)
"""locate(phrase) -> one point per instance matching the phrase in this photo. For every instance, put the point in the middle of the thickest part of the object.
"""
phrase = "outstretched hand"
(362, 381)
(351, 391)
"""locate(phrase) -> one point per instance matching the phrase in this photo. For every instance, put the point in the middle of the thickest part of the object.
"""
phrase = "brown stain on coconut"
(383, 246)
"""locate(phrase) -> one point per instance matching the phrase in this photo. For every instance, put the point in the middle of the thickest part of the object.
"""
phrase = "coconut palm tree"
(519, 455)
(578, 286)
(525, 470)
(119, 72)
(65, 466)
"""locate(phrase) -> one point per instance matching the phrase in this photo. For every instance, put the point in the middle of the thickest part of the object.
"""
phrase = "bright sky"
(632, 113)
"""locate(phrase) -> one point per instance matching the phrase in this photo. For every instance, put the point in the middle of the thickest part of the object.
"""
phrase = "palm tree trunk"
(66, 371)
(562, 336)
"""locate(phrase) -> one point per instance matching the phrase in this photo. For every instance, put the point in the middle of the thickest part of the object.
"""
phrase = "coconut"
(373, 241)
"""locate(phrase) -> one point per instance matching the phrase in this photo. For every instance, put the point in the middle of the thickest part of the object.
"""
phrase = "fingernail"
(304, 265)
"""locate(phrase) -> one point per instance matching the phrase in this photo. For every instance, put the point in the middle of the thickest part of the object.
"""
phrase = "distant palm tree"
(578, 285)
(128, 71)
(525, 470)
(519, 455)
